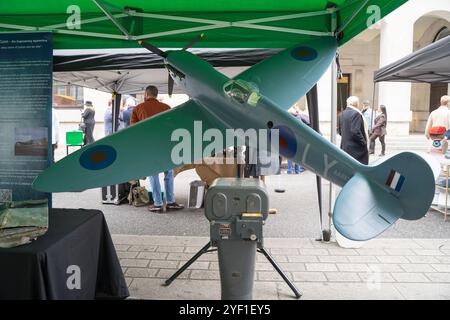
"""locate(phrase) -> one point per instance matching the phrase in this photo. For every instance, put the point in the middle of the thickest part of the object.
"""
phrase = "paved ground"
(382, 269)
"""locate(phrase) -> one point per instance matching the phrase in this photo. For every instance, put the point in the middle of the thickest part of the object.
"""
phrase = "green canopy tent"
(98, 24)
(93, 24)
(120, 24)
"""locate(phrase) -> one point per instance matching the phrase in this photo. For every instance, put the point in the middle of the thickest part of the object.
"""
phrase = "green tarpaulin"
(174, 23)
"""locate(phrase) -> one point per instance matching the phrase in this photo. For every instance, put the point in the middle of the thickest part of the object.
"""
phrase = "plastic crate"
(74, 138)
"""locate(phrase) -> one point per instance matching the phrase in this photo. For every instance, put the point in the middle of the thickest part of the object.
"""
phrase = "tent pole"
(17, 27)
(313, 109)
(181, 31)
(88, 34)
(113, 20)
(84, 22)
(251, 24)
(280, 29)
(116, 99)
(373, 101)
(252, 21)
(331, 196)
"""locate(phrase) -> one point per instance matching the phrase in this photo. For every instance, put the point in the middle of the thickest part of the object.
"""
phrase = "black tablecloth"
(42, 269)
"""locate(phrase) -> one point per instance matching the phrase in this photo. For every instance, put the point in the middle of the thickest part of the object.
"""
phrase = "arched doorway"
(425, 97)
(437, 90)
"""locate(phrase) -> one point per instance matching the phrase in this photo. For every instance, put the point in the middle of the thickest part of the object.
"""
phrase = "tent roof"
(429, 64)
(173, 24)
(143, 59)
(132, 70)
(127, 81)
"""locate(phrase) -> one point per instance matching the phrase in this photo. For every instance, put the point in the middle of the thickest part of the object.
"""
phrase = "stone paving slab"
(380, 269)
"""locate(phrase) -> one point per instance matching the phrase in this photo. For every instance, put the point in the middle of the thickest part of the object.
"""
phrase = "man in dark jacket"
(88, 117)
(353, 130)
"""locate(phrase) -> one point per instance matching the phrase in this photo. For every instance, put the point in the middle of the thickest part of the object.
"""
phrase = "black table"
(75, 259)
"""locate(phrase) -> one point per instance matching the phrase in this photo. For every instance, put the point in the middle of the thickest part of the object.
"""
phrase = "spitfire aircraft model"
(373, 197)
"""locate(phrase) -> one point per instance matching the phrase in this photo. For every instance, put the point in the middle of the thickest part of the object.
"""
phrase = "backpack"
(138, 195)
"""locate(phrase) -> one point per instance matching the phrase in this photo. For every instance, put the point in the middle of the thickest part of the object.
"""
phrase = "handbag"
(82, 127)
(138, 196)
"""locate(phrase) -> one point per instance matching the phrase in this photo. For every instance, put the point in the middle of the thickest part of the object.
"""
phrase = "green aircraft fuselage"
(207, 87)
(373, 197)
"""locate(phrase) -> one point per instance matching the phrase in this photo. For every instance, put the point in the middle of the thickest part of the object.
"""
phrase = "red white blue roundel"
(98, 157)
(304, 53)
(287, 141)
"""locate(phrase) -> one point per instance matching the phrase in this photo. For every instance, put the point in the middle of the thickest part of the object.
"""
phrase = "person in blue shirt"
(367, 112)
(130, 103)
(297, 113)
(108, 119)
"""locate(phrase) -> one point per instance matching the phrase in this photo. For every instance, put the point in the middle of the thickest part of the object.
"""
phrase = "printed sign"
(26, 64)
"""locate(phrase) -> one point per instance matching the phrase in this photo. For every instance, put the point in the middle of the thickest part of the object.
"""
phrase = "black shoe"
(157, 209)
(174, 206)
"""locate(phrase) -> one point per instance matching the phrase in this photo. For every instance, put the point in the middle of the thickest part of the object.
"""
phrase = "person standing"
(379, 130)
(367, 111)
(301, 116)
(439, 117)
(130, 104)
(88, 117)
(149, 108)
(108, 119)
(353, 130)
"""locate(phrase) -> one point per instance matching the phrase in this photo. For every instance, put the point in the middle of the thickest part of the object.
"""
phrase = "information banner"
(26, 64)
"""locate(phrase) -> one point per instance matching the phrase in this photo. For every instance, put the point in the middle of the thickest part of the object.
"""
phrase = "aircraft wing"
(141, 150)
(287, 76)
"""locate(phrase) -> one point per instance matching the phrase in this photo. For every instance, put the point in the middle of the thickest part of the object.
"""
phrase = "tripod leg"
(280, 272)
(187, 264)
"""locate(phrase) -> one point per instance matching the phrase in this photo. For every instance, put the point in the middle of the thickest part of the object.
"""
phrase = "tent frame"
(210, 24)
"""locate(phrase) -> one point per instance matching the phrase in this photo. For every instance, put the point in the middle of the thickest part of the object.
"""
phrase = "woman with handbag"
(379, 130)
(88, 117)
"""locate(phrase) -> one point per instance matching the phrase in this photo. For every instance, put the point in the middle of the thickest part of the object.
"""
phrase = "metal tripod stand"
(261, 249)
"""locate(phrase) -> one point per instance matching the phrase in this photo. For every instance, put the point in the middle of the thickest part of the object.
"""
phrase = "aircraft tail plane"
(400, 186)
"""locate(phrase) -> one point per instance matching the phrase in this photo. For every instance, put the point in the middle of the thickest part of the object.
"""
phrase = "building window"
(67, 96)
(438, 89)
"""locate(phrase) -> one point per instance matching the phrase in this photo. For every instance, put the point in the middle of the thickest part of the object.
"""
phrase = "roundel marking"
(436, 143)
(287, 141)
(98, 157)
(304, 53)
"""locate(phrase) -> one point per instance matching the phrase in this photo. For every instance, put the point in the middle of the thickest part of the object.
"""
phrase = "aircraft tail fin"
(401, 186)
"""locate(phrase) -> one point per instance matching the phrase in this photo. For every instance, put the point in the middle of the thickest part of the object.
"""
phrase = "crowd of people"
(359, 132)
(126, 109)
